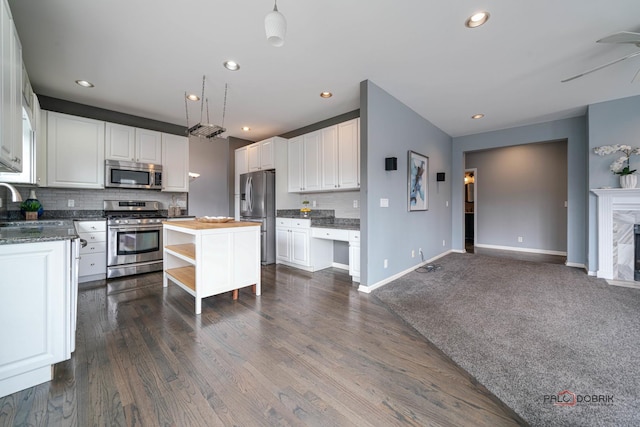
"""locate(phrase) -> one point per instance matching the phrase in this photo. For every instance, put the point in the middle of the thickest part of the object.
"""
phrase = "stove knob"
(126, 221)
(117, 221)
(139, 221)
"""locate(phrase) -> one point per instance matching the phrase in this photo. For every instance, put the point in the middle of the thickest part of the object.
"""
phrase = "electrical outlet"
(444, 243)
(446, 204)
(313, 203)
(71, 203)
(355, 203)
(386, 263)
(520, 239)
(413, 253)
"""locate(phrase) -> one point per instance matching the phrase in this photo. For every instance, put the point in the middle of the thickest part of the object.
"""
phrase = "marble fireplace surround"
(618, 211)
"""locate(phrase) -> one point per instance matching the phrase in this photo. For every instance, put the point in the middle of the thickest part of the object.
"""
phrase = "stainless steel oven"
(134, 237)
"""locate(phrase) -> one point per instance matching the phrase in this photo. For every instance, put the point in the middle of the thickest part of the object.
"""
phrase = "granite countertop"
(36, 231)
(337, 226)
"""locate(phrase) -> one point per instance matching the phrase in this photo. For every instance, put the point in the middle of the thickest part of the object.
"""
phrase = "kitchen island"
(207, 259)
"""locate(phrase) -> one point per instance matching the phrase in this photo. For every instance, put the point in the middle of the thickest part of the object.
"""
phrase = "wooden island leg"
(234, 294)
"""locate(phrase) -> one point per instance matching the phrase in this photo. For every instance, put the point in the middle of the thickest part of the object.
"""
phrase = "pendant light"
(275, 26)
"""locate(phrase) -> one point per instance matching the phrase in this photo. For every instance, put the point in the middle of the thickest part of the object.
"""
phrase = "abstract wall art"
(417, 182)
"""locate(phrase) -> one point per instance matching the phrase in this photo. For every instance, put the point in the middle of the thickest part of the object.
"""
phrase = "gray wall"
(521, 191)
(574, 131)
(209, 193)
(612, 122)
(390, 129)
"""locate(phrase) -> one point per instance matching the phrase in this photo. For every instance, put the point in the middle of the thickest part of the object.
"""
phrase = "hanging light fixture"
(275, 26)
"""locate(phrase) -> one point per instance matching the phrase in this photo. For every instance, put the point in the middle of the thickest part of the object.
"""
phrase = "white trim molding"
(368, 289)
(515, 249)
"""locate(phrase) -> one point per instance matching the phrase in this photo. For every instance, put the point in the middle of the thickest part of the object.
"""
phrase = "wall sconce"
(390, 163)
(193, 176)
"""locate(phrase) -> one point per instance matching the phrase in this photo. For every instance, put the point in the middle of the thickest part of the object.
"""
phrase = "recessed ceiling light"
(193, 97)
(326, 94)
(246, 128)
(477, 19)
(231, 65)
(84, 83)
(477, 116)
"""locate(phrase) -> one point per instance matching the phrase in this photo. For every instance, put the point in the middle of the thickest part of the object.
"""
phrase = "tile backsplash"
(58, 198)
(340, 201)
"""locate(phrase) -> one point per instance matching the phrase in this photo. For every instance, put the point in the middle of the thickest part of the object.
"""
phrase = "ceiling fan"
(621, 37)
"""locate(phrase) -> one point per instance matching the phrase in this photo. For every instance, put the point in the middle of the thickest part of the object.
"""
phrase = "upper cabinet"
(242, 166)
(132, 144)
(349, 154)
(75, 151)
(10, 93)
(261, 155)
(325, 160)
(175, 163)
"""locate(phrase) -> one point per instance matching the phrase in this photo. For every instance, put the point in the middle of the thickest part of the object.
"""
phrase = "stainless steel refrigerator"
(258, 204)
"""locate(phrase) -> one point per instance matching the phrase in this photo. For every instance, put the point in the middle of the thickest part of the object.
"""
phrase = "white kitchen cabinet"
(148, 146)
(296, 248)
(131, 144)
(349, 154)
(10, 93)
(354, 255)
(261, 155)
(36, 309)
(312, 161)
(93, 257)
(242, 166)
(40, 123)
(329, 158)
(295, 170)
(175, 163)
(325, 160)
(75, 151)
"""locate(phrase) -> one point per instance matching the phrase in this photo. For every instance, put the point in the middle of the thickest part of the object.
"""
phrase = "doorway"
(470, 211)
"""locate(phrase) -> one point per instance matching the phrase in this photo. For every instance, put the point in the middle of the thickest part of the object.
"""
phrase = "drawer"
(330, 233)
(93, 264)
(99, 236)
(91, 226)
(354, 236)
(293, 222)
(93, 248)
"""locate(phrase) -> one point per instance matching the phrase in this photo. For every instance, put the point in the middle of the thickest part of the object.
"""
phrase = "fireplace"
(619, 235)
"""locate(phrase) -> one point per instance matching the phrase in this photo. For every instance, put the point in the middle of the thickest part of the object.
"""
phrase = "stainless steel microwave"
(132, 175)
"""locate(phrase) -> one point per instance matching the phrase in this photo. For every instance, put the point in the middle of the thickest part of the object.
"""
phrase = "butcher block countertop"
(197, 225)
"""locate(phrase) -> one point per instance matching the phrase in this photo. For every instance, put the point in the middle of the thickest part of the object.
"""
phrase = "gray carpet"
(526, 330)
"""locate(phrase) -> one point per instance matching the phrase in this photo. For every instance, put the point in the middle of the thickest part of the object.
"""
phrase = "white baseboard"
(368, 289)
(458, 251)
(340, 266)
(592, 273)
(576, 265)
(515, 249)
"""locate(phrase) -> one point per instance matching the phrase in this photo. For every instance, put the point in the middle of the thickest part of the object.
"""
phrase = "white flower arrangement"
(620, 166)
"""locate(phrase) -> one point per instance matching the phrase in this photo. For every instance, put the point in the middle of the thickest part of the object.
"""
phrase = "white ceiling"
(142, 55)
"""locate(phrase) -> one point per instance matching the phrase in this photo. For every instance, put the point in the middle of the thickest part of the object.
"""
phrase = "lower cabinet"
(93, 257)
(35, 310)
(296, 247)
(354, 255)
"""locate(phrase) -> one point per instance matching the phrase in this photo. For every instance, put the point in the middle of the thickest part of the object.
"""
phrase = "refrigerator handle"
(249, 195)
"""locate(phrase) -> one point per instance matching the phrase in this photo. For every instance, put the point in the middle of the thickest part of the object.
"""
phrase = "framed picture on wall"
(418, 187)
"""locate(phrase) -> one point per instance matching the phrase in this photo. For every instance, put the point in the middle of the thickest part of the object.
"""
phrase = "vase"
(628, 181)
(31, 208)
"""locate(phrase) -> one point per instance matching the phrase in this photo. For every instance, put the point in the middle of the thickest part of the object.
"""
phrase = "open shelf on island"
(187, 249)
(185, 275)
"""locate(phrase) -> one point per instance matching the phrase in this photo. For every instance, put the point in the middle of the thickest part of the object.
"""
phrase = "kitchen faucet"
(15, 194)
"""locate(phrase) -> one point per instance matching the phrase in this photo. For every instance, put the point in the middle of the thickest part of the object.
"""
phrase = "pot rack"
(206, 130)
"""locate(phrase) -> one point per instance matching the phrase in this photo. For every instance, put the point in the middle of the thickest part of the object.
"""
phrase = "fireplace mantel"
(609, 200)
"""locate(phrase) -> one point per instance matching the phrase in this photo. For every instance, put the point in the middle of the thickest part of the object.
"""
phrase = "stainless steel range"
(134, 237)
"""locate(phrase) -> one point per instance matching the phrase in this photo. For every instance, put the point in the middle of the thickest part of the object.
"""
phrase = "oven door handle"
(135, 228)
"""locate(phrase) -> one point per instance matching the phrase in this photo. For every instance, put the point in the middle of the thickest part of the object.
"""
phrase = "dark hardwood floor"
(311, 350)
